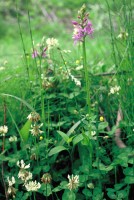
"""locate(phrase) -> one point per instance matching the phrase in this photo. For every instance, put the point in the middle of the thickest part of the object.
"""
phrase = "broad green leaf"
(128, 171)
(68, 195)
(102, 126)
(112, 132)
(129, 179)
(87, 192)
(122, 194)
(77, 139)
(24, 132)
(56, 150)
(63, 135)
(119, 186)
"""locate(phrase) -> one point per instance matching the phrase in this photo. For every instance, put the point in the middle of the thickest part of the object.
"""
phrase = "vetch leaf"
(63, 135)
(77, 139)
(56, 150)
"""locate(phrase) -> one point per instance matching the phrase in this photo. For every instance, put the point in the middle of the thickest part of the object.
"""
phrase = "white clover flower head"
(73, 182)
(11, 182)
(3, 130)
(13, 139)
(52, 42)
(123, 35)
(35, 131)
(11, 190)
(25, 175)
(22, 165)
(34, 117)
(93, 133)
(114, 90)
(32, 186)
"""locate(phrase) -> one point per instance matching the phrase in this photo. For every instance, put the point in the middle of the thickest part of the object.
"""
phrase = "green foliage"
(67, 145)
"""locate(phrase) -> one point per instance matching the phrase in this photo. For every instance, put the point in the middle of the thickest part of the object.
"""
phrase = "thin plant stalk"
(88, 95)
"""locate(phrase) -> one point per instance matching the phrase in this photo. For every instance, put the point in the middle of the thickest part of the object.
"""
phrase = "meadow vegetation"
(66, 100)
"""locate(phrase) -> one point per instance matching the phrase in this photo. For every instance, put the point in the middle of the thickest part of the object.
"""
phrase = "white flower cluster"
(36, 129)
(32, 186)
(26, 176)
(76, 81)
(13, 139)
(22, 165)
(11, 190)
(114, 90)
(73, 182)
(35, 126)
(3, 130)
(52, 42)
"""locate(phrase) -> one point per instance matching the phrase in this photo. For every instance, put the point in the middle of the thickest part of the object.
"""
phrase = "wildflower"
(43, 54)
(82, 28)
(32, 186)
(13, 139)
(73, 182)
(77, 62)
(3, 130)
(34, 117)
(22, 165)
(41, 138)
(52, 42)
(77, 82)
(79, 67)
(36, 129)
(123, 35)
(114, 90)
(24, 175)
(46, 178)
(106, 137)
(11, 190)
(33, 156)
(35, 54)
(101, 118)
(93, 134)
(12, 181)
(90, 185)
(66, 51)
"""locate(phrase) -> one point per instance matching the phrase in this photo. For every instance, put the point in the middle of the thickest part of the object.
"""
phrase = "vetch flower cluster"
(3, 130)
(82, 28)
(73, 182)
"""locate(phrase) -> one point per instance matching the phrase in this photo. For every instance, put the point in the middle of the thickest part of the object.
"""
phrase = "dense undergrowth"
(66, 107)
